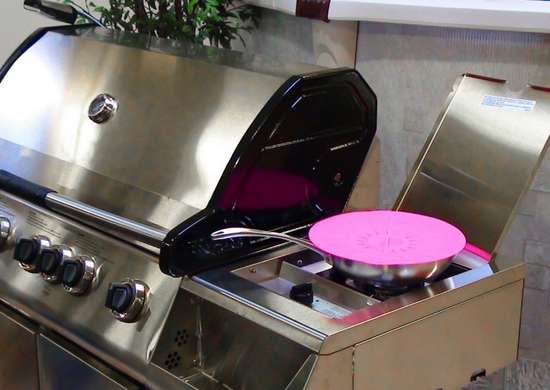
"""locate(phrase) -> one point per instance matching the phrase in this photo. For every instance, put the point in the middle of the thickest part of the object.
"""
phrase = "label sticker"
(328, 308)
(509, 103)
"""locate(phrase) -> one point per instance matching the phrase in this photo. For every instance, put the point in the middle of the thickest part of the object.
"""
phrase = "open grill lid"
(186, 138)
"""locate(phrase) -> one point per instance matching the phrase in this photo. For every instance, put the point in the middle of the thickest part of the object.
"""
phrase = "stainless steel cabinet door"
(18, 361)
(66, 368)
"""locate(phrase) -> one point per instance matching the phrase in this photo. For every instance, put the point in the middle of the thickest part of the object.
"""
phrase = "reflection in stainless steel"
(160, 157)
(480, 158)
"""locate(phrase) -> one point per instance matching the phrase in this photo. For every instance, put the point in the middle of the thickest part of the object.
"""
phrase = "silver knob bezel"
(44, 243)
(67, 254)
(88, 276)
(139, 304)
(102, 108)
(5, 231)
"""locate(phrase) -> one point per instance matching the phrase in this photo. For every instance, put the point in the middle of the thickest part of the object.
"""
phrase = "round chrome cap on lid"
(102, 108)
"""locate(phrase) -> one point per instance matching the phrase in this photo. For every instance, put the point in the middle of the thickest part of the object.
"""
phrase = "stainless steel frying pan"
(384, 276)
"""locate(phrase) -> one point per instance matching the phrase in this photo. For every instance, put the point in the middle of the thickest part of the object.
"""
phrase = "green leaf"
(218, 21)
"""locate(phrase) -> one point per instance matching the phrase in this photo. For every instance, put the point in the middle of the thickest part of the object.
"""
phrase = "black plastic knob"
(50, 260)
(119, 297)
(73, 271)
(302, 293)
(27, 250)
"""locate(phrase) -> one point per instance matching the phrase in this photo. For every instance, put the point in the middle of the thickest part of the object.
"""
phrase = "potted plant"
(217, 22)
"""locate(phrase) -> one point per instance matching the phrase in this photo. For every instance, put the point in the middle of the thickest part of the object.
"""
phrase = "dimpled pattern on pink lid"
(385, 237)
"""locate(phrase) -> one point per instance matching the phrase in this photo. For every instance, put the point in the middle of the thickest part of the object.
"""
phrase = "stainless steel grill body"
(220, 326)
(159, 160)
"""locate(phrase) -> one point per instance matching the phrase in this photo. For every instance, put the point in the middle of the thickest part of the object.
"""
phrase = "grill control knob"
(127, 300)
(302, 293)
(51, 262)
(27, 252)
(78, 274)
(5, 231)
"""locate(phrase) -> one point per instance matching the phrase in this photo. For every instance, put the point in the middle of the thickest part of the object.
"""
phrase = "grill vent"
(182, 337)
(173, 359)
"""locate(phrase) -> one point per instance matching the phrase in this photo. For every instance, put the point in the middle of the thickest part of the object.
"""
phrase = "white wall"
(16, 24)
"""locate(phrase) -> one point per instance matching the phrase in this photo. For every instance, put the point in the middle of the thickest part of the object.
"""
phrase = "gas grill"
(122, 153)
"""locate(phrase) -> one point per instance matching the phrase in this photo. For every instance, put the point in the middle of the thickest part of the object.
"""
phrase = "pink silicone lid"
(385, 237)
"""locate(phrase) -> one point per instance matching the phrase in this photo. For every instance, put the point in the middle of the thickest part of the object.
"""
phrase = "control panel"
(59, 264)
(80, 280)
(77, 272)
(63, 258)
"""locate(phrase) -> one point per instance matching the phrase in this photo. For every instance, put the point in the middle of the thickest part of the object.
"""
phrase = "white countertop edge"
(509, 15)
(286, 6)
(512, 15)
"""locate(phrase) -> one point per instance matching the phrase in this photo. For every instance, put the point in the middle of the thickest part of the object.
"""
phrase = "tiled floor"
(524, 375)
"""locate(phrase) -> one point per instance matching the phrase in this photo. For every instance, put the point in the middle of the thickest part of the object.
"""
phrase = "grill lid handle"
(50, 199)
(24, 189)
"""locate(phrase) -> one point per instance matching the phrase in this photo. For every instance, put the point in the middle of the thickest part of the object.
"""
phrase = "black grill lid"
(297, 163)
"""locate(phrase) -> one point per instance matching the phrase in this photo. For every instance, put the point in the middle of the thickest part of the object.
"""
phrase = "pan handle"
(235, 232)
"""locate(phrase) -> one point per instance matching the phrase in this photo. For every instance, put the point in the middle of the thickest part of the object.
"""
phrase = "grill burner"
(382, 293)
